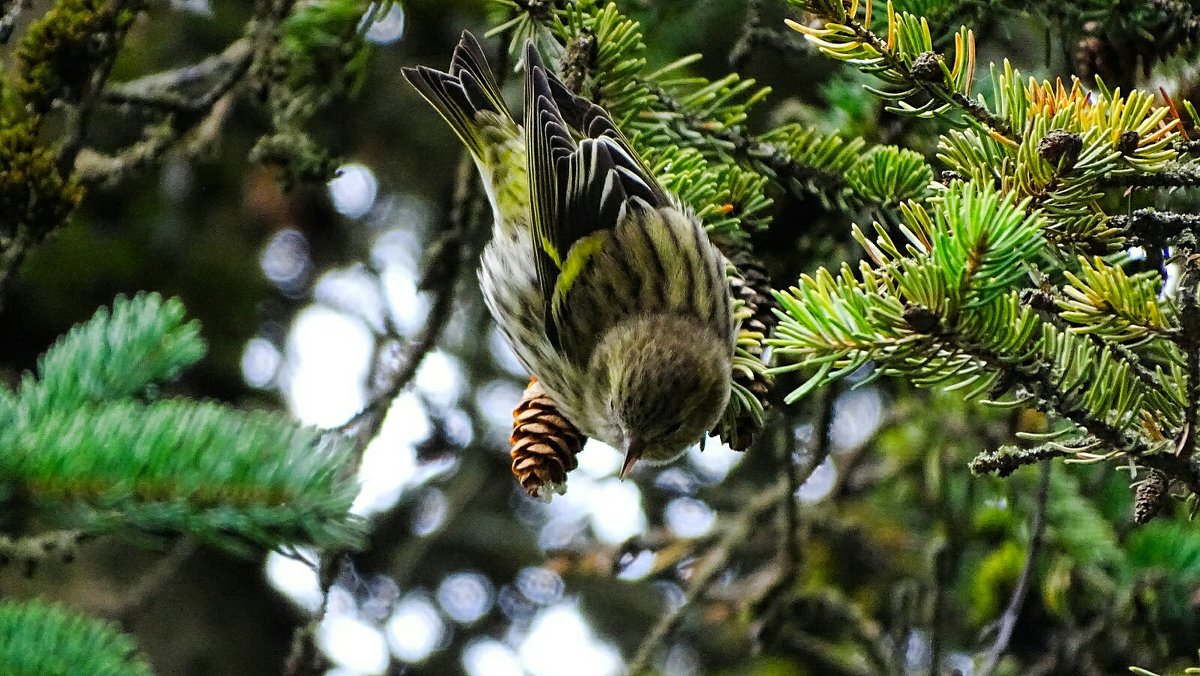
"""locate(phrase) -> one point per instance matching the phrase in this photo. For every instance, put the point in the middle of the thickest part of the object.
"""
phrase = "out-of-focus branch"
(1008, 621)
(165, 90)
(789, 550)
(453, 255)
(12, 253)
(148, 587)
(707, 570)
(9, 19)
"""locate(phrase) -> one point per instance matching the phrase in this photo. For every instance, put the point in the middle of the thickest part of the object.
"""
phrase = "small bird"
(605, 285)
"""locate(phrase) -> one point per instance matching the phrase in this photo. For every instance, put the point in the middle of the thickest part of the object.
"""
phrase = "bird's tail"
(462, 93)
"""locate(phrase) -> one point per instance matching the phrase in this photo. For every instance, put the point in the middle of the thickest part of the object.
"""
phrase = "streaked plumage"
(607, 288)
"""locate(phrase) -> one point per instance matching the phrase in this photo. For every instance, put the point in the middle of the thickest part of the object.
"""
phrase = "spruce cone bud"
(1151, 497)
(544, 444)
(1060, 148)
(921, 319)
(1127, 143)
(1039, 300)
(928, 67)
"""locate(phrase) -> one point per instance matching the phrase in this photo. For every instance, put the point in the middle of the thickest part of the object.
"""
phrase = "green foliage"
(889, 176)
(114, 355)
(1102, 299)
(83, 447)
(905, 61)
(323, 48)
(1077, 528)
(42, 639)
(956, 274)
(321, 58)
(60, 50)
(34, 193)
(998, 287)
(992, 584)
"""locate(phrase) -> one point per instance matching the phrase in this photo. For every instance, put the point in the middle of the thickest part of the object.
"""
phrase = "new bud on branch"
(605, 285)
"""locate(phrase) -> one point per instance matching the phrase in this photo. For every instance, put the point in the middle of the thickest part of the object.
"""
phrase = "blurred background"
(311, 297)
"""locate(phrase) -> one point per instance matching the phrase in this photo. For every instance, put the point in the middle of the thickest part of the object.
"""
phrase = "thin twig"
(1149, 227)
(790, 552)
(740, 53)
(12, 253)
(1008, 621)
(138, 597)
(1182, 176)
(162, 90)
(366, 423)
(707, 571)
(78, 115)
(1189, 341)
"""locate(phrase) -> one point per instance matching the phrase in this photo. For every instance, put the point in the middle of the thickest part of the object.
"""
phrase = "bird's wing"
(579, 193)
(461, 93)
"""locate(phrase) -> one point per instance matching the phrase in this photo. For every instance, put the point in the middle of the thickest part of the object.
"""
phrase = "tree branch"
(745, 523)
(1008, 621)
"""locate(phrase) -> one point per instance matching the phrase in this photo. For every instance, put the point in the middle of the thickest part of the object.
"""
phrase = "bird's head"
(663, 381)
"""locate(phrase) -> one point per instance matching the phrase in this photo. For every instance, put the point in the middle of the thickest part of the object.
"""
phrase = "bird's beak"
(633, 451)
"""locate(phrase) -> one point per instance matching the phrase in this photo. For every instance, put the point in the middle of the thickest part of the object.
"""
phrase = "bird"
(606, 286)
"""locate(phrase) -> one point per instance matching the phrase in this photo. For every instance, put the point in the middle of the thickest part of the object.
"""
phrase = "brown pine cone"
(544, 444)
(754, 289)
(1151, 497)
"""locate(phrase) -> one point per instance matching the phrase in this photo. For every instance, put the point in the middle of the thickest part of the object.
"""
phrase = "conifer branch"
(43, 638)
(1009, 459)
(1180, 176)
(1149, 227)
(1189, 342)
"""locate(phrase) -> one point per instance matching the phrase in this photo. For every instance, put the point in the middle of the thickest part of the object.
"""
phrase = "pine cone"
(1151, 497)
(754, 289)
(544, 444)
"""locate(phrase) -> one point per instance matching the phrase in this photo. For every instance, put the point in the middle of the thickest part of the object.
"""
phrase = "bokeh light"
(488, 657)
(561, 642)
(286, 263)
(353, 645)
(856, 415)
(635, 565)
(353, 190)
(328, 355)
(689, 517)
(430, 512)
(260, 363)
(465, 597)
(540, 585)
(598, 460)
(388, 27)
(415, 629)
(819, 484)
(353, 291)
(440, 379)
(294, 577)
(715, 461)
